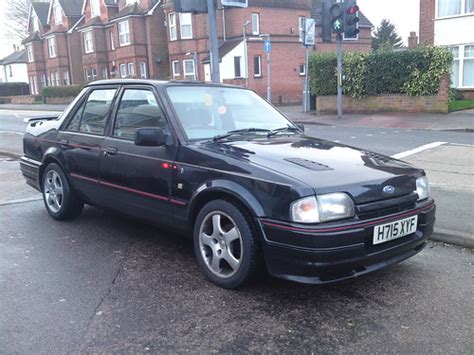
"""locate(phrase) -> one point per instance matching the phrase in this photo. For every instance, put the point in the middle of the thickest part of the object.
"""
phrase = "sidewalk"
(33, 107)
(461, 120)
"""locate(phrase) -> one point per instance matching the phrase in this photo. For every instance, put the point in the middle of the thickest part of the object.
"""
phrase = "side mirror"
(150, 137)
(300, 126)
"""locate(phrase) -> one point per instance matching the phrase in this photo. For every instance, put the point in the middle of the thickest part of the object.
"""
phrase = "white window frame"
(66, 78)
(143, 70)
(30, 53)
(461, 59)
(124, 33)
(185, 73)
(463, 11)
(95, 8)
(57, 13)
(123, 70)
(56, 78)
(88, 42)
(259, 74)
(185, 19)
(239, 58)
(174, 66)
(105, 73)
(129, 2)
(52, 47)
(112, 40)
(172, 29)
(131, 70)
(256, 28)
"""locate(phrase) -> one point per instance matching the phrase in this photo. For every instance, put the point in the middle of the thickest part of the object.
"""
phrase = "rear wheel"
(226, 247)
(60, 200)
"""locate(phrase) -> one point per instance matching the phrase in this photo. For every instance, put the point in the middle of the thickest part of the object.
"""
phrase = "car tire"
(60, 200)
(226, 245)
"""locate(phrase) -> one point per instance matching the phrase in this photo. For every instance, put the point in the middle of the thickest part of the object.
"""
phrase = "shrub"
(14, 89)
(62, 91)
(413, 72)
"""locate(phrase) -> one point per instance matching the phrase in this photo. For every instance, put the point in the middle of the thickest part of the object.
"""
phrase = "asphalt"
(105, 284)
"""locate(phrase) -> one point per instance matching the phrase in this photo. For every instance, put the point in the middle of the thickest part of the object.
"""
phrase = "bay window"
(52, 47)
(124, 33)
(185, 25)
(189, 70)
(88, 42)
(30, 53)
(172, 26)
(468, 66)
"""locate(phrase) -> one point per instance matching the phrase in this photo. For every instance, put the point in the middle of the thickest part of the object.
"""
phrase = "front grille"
(386, 207)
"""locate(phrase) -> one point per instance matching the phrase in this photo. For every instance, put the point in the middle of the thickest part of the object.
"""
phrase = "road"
(103, 283)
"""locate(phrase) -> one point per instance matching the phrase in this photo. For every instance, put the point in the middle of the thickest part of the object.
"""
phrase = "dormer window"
(57, 13)
(95, 8)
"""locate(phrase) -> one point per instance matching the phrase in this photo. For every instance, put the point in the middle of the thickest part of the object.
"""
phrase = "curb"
(29, 108)
(455, 238)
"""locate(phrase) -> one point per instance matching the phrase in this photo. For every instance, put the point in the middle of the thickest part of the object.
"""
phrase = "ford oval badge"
(389, 189)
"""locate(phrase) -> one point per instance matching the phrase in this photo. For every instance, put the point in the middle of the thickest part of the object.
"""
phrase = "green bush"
(413, 72)
(62, 91)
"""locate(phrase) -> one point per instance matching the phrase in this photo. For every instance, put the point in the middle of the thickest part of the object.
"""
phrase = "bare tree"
(16, 18)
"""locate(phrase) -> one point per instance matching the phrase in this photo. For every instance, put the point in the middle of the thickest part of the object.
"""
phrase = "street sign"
(267, 46)
(310, 32)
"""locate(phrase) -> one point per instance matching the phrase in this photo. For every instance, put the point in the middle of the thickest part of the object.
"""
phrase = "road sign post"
(339, 75)
(309, 40)
(268, 48)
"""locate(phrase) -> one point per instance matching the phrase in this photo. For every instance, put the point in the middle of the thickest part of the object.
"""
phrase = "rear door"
(137, 179)
(81, 139)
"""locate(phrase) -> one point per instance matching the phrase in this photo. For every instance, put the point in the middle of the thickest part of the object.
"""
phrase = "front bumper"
(336, 252)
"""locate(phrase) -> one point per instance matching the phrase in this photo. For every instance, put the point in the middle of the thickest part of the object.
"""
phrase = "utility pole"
(213, 42)
(339, 75)
(246, 56)
(267, 47)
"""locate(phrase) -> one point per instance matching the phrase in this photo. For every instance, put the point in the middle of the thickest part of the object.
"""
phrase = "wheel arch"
(224, 190)
(49, 157)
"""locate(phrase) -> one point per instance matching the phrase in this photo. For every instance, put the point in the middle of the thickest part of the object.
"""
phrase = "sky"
(404, 14)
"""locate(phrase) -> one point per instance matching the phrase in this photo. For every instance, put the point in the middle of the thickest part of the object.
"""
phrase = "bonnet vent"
(308, 164)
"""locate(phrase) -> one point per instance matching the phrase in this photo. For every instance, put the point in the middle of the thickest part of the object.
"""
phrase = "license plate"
(393, 230)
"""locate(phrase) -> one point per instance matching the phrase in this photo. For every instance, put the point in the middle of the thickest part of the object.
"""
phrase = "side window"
(138, 108)
(96, 109)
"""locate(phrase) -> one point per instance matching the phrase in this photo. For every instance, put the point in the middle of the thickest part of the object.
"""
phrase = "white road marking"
(462, 145)
(20, 200)
(417, 150)
(12, 132)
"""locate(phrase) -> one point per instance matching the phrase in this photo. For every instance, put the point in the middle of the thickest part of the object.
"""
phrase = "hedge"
(61, 91)
(14, 89)
(414, 72)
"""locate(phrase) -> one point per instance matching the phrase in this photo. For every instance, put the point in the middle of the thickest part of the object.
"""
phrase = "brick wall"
(427, 15)
(389, 103)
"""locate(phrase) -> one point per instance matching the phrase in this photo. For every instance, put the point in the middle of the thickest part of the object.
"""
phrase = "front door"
(137, 179)
(81, 139)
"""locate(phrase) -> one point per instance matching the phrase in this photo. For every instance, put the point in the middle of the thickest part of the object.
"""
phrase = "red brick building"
(78, 41)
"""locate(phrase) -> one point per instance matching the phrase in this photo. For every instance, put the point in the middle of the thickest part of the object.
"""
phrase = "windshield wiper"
(239, 132)
(283, 129)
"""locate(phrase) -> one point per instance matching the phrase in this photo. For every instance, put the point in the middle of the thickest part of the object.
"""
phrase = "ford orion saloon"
(221, 164)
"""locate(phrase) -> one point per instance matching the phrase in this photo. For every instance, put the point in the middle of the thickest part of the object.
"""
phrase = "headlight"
(322, 208)
(422, 188)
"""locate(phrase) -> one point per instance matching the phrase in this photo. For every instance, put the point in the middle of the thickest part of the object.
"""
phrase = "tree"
(386, 37)
(16, 19)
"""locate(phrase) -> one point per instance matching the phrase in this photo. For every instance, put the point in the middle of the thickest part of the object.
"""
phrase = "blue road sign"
(267, 46)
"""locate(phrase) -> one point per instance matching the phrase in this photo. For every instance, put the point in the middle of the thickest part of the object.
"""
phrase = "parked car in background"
(256, 193)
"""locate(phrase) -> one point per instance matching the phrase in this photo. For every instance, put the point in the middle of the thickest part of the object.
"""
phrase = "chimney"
(412, 40)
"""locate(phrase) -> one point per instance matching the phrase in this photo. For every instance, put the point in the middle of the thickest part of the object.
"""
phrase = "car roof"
(157, 83)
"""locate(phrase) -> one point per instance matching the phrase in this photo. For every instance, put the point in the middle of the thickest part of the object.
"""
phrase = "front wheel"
(60, 200)
(226, 246)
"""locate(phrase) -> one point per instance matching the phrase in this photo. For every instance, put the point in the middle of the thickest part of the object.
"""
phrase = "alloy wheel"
(220, 243)
(53, 191)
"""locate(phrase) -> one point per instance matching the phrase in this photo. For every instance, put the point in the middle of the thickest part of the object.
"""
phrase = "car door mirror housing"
(300, 126)
(151, 137)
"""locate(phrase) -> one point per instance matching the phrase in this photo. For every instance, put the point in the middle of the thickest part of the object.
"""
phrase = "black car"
(257, 193)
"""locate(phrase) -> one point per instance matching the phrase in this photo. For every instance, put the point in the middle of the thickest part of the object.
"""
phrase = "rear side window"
(138, 108)
(91, 117)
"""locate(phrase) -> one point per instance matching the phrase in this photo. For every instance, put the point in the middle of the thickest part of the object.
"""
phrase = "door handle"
(64, 142)
(110, 151)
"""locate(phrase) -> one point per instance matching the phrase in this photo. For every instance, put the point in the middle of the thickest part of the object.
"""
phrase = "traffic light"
(336, 13)
(351, 18)
(326, 23)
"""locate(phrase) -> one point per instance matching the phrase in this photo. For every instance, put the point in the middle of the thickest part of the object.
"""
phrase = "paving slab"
(450, 170)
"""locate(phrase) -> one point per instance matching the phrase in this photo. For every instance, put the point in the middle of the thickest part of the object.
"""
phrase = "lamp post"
(246, 61)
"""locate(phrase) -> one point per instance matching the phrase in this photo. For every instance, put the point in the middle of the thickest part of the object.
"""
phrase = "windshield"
(207, 112)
